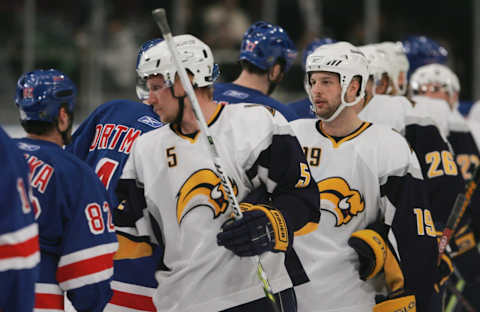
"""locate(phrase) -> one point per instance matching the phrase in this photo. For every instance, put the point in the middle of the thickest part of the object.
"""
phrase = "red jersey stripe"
(23, 249)
(133, 301)
(48, 301)
(85, 267)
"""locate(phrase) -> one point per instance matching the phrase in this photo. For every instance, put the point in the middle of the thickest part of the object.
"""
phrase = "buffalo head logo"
(203, 189)
(347, 202)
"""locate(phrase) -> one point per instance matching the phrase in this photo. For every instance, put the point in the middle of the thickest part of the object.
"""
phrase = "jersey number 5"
(305, 177)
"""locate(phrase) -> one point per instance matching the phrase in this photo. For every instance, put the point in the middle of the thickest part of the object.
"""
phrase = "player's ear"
(63, 119)
(275, 73)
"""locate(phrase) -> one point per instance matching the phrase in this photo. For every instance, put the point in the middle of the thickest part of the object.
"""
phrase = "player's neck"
(346, 122)
(53, 137)
(189, 122)
(252, 81)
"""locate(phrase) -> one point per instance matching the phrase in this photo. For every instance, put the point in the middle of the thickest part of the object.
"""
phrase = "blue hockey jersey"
(77, 237)
(19, 250)
(230, 93)
(104, 140)
(302, 108)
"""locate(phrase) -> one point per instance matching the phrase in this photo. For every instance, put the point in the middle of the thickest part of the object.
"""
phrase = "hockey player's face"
(161, 99)
(435, 91)
(326, 93)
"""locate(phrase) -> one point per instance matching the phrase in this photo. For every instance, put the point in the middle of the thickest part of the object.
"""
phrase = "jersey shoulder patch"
(236, 94)
(150, 121)
(27, 147)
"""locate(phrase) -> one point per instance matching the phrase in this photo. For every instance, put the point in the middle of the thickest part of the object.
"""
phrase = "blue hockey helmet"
(313, 45)
(40, 94)
(141, 87)
(264, 43)
(421, 50)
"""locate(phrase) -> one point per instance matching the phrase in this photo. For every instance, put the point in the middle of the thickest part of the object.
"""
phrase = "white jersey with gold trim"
(187, 205)
(355, 176)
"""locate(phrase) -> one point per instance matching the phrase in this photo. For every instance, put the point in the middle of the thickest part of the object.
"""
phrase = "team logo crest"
(203, 189)
(346, 202)
(250, 46)
(28, 93)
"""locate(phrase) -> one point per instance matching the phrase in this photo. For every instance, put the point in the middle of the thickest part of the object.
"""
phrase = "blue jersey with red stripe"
(77, 237)
(302, 108)
(104, 140)
(19, 251)
(231, 93)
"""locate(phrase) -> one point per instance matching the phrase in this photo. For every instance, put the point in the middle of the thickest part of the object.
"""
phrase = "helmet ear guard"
(345, 60)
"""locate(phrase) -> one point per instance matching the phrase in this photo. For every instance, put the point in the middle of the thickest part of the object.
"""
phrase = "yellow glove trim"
(128, 249)
(404, 304)
(377, 244)
(393, 273)
(278, 223)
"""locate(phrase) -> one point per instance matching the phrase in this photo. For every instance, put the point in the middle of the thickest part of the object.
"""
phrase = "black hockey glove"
(261, 229)
(371, 249)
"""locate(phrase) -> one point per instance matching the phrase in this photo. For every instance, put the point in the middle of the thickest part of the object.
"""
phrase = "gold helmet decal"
(347, 202)
(203, 189)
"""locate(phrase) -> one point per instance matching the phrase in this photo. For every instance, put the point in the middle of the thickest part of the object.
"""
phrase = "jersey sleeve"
(442, 176)
(281, 168)
(19, 249)
(85, 266)
(411, 232)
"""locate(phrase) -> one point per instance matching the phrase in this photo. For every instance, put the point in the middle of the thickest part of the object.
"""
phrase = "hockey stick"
(459, 207)
(160, 17)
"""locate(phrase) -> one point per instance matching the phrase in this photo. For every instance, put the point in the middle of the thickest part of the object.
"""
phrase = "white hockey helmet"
(377, 62)
(196, 57)
(344, 59)
(398, 62)
(434, 73)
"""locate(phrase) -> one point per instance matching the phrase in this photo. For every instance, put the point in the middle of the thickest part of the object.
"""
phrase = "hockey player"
(303, 107)
(375, 214)
(266, 55)
(20, 255)
(77, 237)
(104, 140)
(171, 173)
(421, 50)
(437, 81)
(398, 67)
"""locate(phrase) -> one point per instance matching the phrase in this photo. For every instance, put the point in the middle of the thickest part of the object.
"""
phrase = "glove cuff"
(406, 303)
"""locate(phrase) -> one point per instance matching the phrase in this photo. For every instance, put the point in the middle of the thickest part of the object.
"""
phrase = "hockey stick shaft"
(460, 297)
(461, 203)
(160, 17)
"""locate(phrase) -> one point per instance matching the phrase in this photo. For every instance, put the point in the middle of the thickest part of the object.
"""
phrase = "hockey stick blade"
(160, 17)
(461, 203)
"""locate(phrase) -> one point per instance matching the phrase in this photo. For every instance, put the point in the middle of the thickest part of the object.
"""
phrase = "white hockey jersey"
(436, 109)
(362, 177)
(187, 205)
